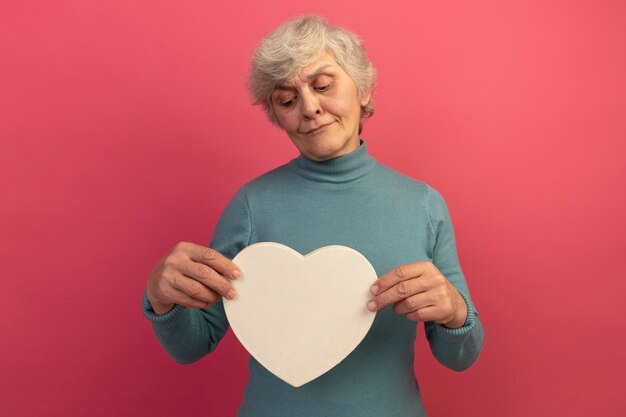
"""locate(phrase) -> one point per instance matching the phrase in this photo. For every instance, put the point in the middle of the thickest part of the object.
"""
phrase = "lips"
(315, 129)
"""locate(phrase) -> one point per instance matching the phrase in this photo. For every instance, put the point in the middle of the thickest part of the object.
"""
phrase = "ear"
(365, 98)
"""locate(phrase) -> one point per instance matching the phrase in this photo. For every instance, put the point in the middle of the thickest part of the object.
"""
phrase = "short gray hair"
(298, 42)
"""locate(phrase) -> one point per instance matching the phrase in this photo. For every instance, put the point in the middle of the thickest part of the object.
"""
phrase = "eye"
(322, 87)
(288, 103)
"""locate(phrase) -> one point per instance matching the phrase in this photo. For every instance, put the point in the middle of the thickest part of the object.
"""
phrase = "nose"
(310, 105)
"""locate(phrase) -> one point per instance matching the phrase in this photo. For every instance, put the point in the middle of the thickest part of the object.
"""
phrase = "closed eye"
(288, 103)
(322, 87)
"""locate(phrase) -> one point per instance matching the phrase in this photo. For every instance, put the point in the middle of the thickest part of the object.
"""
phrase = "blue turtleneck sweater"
(391, 219)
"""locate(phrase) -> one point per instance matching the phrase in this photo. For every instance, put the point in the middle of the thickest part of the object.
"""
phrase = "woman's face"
(320, 110)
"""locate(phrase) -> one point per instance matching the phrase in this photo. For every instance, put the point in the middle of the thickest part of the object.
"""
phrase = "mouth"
(317, 129)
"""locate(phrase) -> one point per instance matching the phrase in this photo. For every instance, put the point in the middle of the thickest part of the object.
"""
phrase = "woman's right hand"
(190, 275)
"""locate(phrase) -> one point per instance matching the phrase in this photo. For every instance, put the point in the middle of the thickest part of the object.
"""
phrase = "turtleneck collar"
(345, 168)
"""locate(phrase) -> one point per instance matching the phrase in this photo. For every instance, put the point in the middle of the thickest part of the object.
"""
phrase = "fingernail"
(236, 274)
(231, 294)
(371, 306)
(374, 289)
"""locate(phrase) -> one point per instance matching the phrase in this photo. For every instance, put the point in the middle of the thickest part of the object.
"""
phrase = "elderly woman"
(315, 82)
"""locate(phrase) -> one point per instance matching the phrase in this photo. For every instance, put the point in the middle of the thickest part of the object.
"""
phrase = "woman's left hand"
(421, 292)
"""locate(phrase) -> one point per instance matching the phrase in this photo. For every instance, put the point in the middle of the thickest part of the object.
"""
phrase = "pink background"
(125, 127)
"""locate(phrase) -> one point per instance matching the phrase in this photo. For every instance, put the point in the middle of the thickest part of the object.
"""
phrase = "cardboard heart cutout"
(299, 316)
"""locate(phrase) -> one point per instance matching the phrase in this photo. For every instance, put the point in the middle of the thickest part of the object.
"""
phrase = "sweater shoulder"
(417, 191)
(398, 179)
(269, 179)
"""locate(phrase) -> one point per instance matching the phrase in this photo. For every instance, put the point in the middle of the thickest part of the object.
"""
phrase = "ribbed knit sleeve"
(188, 334)
(459, 348)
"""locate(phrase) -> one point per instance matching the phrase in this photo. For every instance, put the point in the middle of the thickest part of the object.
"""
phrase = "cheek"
(280, 117)
(286, 121)
(334, 106)
(347, 110)
(344, 104)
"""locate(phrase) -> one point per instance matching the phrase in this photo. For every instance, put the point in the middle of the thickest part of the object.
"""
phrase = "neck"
(349, 147)
(341, 169)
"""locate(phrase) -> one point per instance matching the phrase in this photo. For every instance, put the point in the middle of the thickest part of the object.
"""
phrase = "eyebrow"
(315, 73)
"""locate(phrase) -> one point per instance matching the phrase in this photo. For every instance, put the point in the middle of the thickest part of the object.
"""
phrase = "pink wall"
(125, 128)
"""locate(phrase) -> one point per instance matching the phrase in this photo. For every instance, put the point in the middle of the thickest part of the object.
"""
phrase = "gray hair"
(298, 42)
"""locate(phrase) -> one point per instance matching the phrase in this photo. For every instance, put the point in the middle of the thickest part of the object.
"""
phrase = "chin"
(325, 150)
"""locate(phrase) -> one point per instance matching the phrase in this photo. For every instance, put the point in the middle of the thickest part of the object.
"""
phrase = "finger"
(398, 274)
(398, 292)
(212, 258)
(195, 289)
(208, 277)
(423, 314)
(180, 298)
(413, 303)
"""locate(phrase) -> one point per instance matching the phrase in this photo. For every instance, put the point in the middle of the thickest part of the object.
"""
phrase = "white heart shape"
(299, 316)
